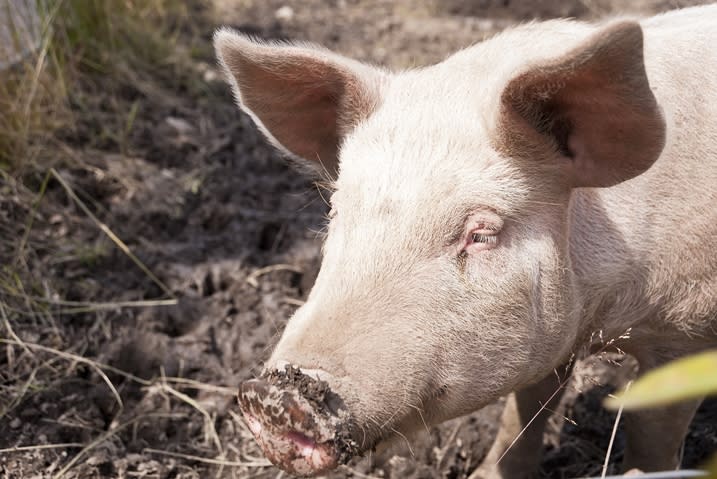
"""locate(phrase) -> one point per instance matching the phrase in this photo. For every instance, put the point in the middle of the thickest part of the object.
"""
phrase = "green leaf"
(711, 468)
(689, 378)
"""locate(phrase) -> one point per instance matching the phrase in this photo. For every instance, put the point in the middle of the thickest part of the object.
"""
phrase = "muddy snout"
(299, 423)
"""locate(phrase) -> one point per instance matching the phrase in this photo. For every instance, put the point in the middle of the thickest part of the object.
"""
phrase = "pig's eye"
(481, 231)
(483, 238)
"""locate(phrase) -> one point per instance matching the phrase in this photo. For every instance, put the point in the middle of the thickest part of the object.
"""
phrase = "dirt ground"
(232, 231)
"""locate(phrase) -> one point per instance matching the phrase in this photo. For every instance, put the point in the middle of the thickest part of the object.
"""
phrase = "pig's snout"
(301, 426)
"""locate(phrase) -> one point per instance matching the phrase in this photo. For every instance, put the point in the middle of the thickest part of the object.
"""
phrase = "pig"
(490, 216)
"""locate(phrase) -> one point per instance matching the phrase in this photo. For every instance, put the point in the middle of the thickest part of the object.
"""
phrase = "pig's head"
(446, 280)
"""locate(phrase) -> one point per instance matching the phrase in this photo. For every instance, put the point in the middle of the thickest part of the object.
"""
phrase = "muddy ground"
(233, 232)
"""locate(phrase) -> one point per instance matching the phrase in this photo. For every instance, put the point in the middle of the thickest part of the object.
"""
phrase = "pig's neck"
(611, 259)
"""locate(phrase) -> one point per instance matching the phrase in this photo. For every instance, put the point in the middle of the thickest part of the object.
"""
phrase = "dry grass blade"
(191, 383)
(95, 306)
(561, 386)
(31, 217)
(94, 365)
(252, 278)
(21, 394)
(208, 460)
(106, 230)
(293, 301)
(38, 447)
(544, 405)
(102, 438)
(441, 454)
(612, 438)
(208, 420)
(98, 367)
(89, 307)
(35, 80)
(11, 332)
(81, 359)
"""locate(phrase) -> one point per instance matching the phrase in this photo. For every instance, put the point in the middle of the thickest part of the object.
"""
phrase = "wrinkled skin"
(489, 214)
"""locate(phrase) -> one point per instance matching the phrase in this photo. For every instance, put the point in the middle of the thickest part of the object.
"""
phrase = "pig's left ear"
(593, 107)
(305, 99)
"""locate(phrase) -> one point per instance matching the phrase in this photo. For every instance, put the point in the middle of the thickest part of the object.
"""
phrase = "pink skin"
(295, 451)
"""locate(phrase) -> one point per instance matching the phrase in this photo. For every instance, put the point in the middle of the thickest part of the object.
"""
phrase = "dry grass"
(169, 387)
(86, 46)
(93, 57)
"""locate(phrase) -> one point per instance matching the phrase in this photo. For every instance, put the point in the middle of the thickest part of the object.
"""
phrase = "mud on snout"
(300, 424)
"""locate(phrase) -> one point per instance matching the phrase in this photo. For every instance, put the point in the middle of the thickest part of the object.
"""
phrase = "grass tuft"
(85, 46)
(97, 70)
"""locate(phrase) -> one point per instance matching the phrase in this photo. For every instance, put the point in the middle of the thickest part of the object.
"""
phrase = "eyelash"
(484, 239)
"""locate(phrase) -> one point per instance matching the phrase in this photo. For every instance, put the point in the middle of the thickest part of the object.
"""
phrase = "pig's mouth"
(300, 425)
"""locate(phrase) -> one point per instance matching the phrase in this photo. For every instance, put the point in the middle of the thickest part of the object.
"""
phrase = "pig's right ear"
(305, 99)
(591, 108)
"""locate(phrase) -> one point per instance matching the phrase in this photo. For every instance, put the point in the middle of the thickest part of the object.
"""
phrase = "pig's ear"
(592, 106)
(304, 98)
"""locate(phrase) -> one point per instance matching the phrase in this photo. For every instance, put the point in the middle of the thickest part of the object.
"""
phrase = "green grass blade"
(688, 378)
(711, 468)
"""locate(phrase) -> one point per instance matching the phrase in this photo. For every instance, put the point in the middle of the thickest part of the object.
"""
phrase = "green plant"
(688, 378)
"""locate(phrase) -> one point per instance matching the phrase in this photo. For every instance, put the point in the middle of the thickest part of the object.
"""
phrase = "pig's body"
(643, 251)
(492, 215)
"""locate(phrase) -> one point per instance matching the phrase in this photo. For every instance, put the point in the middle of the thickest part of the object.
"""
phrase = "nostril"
(333, 402)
